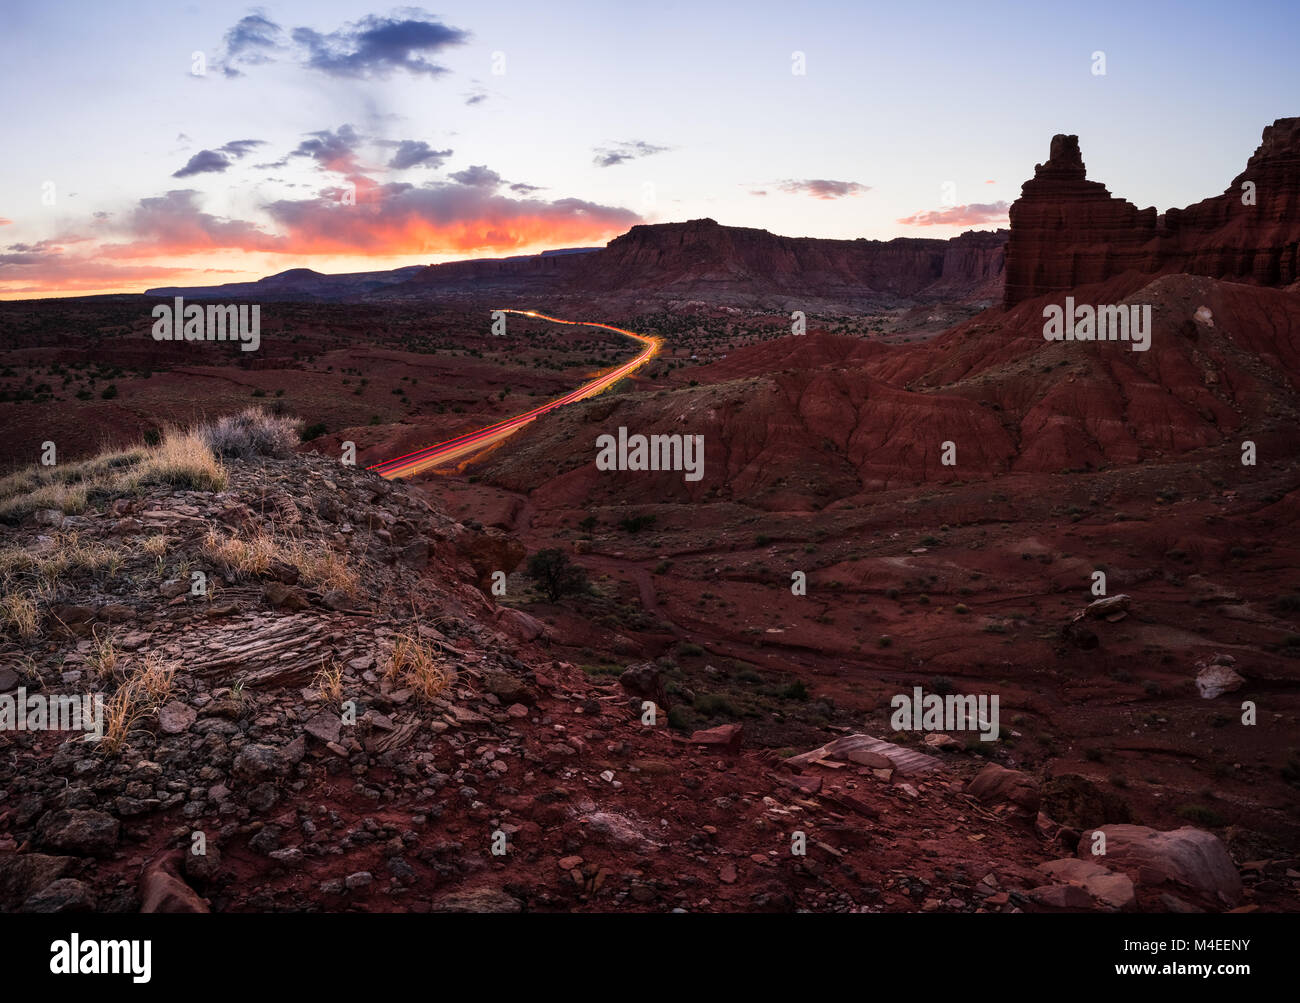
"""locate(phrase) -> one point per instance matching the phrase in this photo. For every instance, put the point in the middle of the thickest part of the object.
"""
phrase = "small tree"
(556, 575)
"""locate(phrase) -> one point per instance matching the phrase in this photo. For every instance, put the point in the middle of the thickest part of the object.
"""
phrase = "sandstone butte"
(1067, 231)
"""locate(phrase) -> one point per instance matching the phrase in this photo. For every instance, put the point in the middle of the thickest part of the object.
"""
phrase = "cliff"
(701, 259)
(1067, 231)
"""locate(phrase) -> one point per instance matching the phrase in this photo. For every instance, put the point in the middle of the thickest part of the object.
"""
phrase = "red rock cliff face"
(703, 259)
(1068, 231)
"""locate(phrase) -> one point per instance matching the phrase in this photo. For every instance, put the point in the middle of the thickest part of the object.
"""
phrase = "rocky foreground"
(344, 720)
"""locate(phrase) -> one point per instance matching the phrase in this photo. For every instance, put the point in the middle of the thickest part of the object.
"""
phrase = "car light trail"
(464, 446)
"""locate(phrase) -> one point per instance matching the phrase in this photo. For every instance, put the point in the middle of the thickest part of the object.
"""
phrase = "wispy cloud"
(255, 39)
(373, 47)
(215, 161)
(416, 153)
(478, 176)
(618, 153)
(959, 215)
(821, 188)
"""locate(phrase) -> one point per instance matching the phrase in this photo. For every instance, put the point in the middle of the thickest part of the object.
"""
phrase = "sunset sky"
(349, 137)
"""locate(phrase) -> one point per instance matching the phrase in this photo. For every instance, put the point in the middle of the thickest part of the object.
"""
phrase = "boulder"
(63, 895)
(726, 737)
(478, 900)
(1193, 858)
(78, 830)
(1215, 680)
(162, 889)
(645, 682)
(1109, 888)
(998, 785)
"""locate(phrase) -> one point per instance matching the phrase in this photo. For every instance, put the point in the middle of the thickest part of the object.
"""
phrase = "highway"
(464, 446)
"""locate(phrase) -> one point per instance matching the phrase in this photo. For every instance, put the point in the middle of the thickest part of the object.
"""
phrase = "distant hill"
(298, 284)
(697, 260)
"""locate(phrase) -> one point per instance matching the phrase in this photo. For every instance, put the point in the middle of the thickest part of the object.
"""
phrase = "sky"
(163, 143)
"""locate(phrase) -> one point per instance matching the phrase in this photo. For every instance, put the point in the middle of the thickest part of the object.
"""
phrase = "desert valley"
(526, 680)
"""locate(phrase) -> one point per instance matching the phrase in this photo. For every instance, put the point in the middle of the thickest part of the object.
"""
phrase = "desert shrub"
(184, 460)
(18, 615)
(416, 666)
(252, 432)
(141, 694)
(713, 705)
(1201, 815)
(556, 575)
(636, 523)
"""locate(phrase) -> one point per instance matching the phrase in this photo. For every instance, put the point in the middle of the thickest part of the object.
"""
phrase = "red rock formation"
(701, 259)
(1067, 231)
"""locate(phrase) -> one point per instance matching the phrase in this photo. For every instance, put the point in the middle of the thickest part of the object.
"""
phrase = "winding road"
(465, 445)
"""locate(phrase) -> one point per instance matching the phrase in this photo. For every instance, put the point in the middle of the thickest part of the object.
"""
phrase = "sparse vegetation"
(18, 615)
(252, 432)
(416, 666)
(556, 575)
(255, 555)
(140, 695)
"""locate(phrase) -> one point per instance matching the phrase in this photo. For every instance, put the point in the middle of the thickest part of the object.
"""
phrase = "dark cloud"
(959, 215)
(242, 147)
(617, 153)
(524, 189)
(478, 176)
(216, 161)
(334, 150)
(377, 46)
(417, 153)
(203, 162)
(820, 188)
(374, 46)
(253, 40)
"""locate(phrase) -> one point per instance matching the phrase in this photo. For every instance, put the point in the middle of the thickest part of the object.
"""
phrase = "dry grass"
(249, 557)
(69, 499)
(18, 615)
(415, 666)
(155, 677)
(321, 566)
(246, 557)
(329, 682)
(140, 695)
(184, 460)
(104, 656)
(65, 486)
(63, 554)
(30, 575)
(156, 545)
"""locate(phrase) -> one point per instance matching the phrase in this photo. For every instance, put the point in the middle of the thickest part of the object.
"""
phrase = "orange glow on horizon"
(415, 242)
